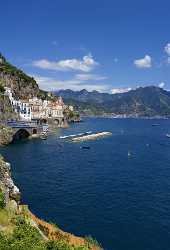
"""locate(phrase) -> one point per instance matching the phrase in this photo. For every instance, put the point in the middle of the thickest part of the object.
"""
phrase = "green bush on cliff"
(27, 237)
(92, 241)
(2, 200)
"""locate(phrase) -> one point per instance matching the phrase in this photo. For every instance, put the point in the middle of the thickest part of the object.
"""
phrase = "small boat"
(155, 124)
(85, 147)
(72, 136)
(129, 154)
(168, 135)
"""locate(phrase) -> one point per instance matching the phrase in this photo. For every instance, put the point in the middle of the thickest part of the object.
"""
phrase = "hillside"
(143, 101)
(23, 86)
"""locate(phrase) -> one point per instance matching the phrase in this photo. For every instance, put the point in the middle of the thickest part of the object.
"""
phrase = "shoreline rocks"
(11, 192)
(6, 135)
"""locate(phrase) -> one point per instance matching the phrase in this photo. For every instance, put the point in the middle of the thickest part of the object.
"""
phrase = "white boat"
(72, 136)
(168, 135)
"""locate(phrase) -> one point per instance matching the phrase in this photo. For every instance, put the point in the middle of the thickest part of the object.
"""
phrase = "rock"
(12, 205)
(6, 135)
(7, 186)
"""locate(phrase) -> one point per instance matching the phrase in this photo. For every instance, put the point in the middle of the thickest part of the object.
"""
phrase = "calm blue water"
(123, 202)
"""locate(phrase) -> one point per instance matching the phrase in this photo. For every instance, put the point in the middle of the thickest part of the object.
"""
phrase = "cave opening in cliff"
(21, 134)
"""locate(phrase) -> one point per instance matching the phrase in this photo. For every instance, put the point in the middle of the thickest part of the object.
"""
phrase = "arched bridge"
(23, 130)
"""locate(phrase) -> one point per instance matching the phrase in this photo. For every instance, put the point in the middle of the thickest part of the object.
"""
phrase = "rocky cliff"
(22, 85)
(6, 135)
(7, 186)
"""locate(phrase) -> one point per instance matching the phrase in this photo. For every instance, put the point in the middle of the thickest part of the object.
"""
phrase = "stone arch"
(34, 131)
(57, 121)
(21, 134)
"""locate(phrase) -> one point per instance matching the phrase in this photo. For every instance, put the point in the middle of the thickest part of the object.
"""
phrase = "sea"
(116, 189)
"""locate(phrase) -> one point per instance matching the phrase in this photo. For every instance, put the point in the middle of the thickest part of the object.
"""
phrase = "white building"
(36, 108)
(22, 108)
(25, 111)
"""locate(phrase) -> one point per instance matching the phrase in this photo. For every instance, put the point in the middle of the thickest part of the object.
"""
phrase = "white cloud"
(120, 90)
(86, 64)
(161, 85)
(145, 62)
(92, 77)
(51, 84)
(167, 49)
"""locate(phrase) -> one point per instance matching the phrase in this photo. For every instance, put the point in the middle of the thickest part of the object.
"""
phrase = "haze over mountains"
(143, 101)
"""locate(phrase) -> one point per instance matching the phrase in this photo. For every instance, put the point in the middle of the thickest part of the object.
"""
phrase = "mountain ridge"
(144, 101)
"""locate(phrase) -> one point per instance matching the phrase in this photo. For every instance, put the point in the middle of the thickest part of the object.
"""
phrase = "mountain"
(22, 85)
(144, 101)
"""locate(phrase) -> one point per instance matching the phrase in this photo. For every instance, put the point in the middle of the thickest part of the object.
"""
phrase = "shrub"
(92, 241)
(2, 200)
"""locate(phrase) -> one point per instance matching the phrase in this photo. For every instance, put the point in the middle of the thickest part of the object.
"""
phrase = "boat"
(75, 135)
(168, 135)
(43, 136)
(155, 124)
(85, 147)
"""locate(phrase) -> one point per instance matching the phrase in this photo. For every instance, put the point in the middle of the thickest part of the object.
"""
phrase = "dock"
(91, 136)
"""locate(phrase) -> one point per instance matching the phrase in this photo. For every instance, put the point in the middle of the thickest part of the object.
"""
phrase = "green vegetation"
(2, 200)
(72, 115)
(92, 241)
(10, 69)
(44, 95)
(18, 233)
(22, 85)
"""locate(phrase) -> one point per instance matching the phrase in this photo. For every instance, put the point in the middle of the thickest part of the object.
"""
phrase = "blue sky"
(103, 45)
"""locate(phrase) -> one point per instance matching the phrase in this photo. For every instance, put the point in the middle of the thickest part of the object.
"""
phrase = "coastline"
(48, 231)
(126, 117)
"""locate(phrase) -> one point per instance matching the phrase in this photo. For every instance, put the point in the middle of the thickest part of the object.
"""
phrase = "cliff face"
(6, 111)
(10, 191)
(22, 85)
(6, 135)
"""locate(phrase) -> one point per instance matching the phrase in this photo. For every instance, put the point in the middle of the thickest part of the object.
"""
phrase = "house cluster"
(36, 108)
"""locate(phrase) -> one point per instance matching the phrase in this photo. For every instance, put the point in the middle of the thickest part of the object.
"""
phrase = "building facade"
(37, 109)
